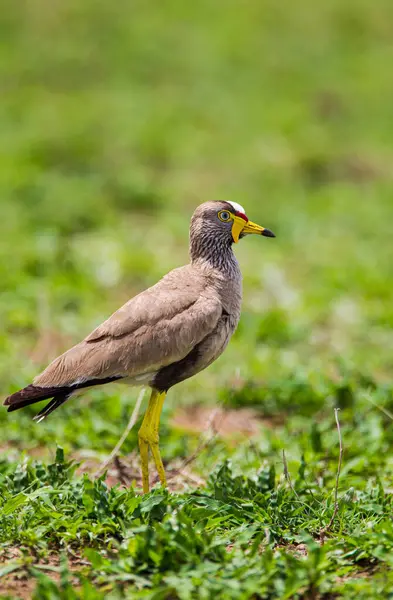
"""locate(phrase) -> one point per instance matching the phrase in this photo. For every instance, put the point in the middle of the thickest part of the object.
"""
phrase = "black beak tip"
(268, 233)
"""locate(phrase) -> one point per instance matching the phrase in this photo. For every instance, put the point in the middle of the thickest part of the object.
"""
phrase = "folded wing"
(156, 328)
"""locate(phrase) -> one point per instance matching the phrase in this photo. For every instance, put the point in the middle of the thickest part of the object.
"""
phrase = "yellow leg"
(144, 452)
(148, 438)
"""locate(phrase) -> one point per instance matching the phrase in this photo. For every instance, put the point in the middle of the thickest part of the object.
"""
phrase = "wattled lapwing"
(164, 335)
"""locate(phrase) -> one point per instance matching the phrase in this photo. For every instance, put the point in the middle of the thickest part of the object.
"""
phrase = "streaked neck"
(214, 254)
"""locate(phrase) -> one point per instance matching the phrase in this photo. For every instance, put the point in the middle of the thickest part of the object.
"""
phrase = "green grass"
(116, 120)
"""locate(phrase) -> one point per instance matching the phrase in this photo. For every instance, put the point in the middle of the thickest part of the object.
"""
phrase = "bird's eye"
(224, 215)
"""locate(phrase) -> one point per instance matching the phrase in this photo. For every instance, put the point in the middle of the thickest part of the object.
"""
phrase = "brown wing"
(156, 328)
(164, 301)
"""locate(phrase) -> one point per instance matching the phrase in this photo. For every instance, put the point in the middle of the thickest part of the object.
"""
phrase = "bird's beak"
(240, 226)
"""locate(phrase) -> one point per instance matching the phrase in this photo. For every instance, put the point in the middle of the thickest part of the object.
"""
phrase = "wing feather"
(156, 328)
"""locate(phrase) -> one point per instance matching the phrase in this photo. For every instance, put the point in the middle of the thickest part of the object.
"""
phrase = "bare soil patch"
(125, 471)
(19, 583)
(224, 422)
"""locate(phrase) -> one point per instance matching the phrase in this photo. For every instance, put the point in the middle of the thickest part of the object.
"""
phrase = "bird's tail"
(33, 393)
(58, 395)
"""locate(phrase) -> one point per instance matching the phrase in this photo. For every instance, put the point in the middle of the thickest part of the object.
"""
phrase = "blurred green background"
(117, 120)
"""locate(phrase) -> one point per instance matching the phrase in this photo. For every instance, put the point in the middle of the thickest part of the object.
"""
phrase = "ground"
(116, 121)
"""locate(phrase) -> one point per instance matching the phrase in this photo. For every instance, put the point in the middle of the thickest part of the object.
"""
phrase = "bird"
(164, 335)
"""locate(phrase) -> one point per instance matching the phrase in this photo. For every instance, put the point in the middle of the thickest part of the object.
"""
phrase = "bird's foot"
(148, 438)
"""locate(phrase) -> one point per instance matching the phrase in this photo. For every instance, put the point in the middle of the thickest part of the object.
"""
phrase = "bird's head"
(225, 222)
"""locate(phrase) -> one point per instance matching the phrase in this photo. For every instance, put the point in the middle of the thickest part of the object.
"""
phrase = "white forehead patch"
(237, 207)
